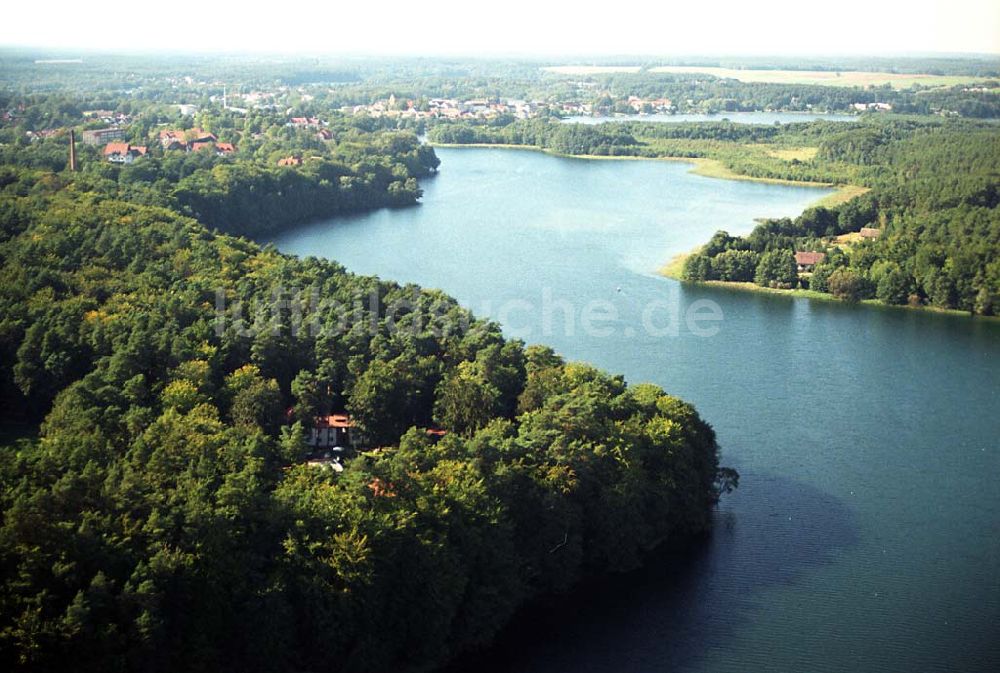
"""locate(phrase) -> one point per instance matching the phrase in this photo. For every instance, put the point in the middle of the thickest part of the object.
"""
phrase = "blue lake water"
(737, 117)
(866, 531)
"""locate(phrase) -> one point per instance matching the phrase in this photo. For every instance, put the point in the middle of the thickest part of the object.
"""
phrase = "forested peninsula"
(916, 221)
(162, 375)
(166, 516)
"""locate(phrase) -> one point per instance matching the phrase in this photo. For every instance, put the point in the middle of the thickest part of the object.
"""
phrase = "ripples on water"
(866, 531)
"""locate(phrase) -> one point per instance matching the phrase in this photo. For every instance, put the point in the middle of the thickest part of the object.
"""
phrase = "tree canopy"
(164, 518)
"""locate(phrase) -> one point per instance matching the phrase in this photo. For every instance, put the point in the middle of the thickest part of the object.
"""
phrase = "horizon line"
(556, 58)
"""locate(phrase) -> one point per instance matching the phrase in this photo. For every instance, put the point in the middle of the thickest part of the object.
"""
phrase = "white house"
(123, 153)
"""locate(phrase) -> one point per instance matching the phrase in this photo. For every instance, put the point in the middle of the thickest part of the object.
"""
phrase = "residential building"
(101, 136)
(805, 261)
(179, 139)
(123, 153)
(335, 430)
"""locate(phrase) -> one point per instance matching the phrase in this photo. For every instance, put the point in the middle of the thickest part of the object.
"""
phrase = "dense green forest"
(933, 195)
(934, 202)
(361, 167)
(164, 518)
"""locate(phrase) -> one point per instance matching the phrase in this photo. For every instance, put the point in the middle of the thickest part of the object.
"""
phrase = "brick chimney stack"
(72, 151)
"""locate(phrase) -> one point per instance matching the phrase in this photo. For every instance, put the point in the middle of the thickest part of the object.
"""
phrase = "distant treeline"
(984, 66)
(319, 85)
(705, 93)
(609, 140)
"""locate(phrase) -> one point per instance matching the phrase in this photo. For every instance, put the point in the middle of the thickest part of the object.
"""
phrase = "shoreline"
(703, 166)
(674, 267)
(713, 168)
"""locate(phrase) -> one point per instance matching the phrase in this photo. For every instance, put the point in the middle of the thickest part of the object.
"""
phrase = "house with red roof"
(123, 153)
(335, 431)
(173, 140)
(220, 149)
(199, 135)
(179, 139)
(805, 261)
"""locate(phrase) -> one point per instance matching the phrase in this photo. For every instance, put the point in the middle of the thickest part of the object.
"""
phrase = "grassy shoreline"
(703, 166)
(675, 267)
(714, 168)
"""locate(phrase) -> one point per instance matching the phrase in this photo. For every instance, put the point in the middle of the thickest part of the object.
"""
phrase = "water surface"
(866, 532)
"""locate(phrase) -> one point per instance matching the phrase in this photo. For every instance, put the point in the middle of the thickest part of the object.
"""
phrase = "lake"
(866, 531)
(736, 117)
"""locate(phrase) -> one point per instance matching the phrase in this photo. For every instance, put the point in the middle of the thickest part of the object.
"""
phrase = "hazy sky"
(470, 27)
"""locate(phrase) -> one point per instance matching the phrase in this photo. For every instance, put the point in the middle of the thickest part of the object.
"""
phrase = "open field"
(591, 69)
(824, 77)
(846, 240)
(794, 153)
(843, 194)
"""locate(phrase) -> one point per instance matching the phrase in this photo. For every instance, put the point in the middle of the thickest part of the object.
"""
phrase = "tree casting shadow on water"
(680, 605)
